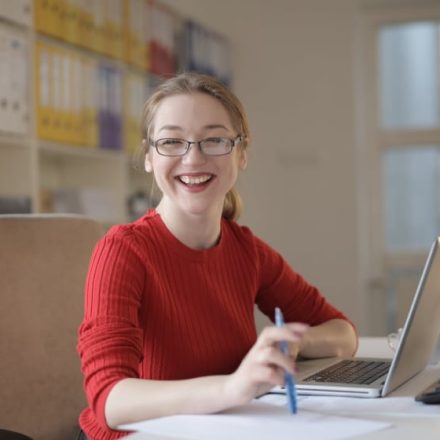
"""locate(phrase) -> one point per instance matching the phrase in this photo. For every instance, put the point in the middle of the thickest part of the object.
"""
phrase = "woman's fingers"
(267, 351)
(265, 364)
(273, 357)
(270, 375)
(292, 332)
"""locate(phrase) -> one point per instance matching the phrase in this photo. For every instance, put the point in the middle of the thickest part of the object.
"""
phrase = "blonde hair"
(187, 83)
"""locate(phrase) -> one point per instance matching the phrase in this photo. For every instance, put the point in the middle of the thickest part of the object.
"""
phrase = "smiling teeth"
(194, 180)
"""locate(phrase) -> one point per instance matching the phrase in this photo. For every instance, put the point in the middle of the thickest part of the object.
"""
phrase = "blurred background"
(344, 107)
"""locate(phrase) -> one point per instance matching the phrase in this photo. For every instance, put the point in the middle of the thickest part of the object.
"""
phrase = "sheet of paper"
(258, 421)
(352, 406)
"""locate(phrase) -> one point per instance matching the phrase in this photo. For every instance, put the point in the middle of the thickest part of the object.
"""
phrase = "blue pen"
(290, 381)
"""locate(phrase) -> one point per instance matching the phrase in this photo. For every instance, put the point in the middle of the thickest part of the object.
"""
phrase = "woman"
(169, 312)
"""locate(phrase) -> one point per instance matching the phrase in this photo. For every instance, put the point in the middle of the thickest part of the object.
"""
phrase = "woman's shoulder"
(245, 235)
(241, 232)
(137, 231)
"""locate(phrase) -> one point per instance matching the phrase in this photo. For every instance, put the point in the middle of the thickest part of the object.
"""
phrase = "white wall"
(293, 70)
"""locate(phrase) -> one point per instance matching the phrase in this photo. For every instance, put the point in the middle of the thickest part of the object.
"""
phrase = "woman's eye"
(172, 142)
(214, 140)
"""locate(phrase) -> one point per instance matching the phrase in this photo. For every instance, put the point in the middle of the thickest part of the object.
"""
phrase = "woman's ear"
(147, 162)
(243, 159)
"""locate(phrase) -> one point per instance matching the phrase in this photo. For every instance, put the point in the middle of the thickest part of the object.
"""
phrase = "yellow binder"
(135, 96)
(77, 129)
(58, 115)
(71, 21)
(89, 104)
(48, 17)
(86, 25)
(116, 16)
(134, 32)
(43, 90)
(99, 28)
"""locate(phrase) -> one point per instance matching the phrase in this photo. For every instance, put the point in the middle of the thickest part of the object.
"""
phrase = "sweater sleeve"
(280, 286)
(110, 340)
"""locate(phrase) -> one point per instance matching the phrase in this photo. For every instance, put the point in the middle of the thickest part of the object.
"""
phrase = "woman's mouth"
(195, 180)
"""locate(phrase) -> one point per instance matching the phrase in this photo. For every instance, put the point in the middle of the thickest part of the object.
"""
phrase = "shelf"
(71, 92)
(8, 140)
(57, 149)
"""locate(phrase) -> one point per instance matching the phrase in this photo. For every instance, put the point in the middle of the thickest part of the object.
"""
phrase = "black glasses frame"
(232, 143)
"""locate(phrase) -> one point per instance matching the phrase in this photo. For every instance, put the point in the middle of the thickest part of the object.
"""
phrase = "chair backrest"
(43, 265)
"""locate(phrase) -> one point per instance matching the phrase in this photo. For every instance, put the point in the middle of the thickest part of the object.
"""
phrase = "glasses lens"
(216, 146)
(171, 147)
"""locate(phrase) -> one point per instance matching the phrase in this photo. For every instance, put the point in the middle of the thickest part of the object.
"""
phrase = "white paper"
(257, 421)
(352, 406)
(402, 406)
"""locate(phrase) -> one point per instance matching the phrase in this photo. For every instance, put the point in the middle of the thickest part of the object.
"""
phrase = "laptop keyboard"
(351, 371)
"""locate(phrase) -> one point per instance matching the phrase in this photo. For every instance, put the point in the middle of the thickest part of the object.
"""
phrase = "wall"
(293, 70)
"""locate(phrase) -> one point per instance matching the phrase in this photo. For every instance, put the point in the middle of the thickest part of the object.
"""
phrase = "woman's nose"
(194, 155)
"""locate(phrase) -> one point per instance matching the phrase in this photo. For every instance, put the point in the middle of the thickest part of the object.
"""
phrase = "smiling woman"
(194, 181)
(169, 311)
(233, 119)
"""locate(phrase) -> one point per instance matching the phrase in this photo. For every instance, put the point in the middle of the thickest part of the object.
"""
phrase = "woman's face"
(194, 183)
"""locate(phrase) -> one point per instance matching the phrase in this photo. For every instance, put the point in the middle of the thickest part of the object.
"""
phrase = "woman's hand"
(264, 365)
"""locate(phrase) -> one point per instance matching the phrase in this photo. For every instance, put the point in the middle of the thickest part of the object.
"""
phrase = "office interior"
(344, 109)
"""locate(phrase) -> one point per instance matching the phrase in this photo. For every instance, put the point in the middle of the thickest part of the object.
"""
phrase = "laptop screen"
(422, 326)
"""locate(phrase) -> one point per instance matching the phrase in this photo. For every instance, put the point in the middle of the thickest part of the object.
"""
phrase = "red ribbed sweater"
(156, 309)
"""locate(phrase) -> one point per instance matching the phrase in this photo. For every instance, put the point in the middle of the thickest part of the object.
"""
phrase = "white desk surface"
(418, 421)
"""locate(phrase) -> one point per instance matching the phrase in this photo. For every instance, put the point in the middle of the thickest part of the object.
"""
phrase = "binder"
(155, 48)
(110, 107)
(76, 115)
(102, 106)
(115, 28)
(206, 51)
(140, 24)
(13, 81)
(115, 99)
(43, 16)
(57, 113)
(18, 11)
(147, 35)
(67, 109)
(89, 104)
(131, 37)
(86, 24)
(105, 29)
(129, 93)
(48, 17)
(19, 111)
(136, 89)
(136, 27)
(43, 90)
(70, 21)
(98, 9)
(112, 35)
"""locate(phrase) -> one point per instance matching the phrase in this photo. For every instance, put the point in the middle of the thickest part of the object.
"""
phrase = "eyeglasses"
(213, 146)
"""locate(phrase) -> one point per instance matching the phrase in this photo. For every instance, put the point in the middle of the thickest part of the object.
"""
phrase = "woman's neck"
(197, 231)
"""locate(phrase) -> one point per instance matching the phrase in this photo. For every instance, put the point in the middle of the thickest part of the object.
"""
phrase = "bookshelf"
(74, 76)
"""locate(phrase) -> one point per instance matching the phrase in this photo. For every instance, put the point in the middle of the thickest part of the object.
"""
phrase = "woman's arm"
(335, 337)
(132, 400)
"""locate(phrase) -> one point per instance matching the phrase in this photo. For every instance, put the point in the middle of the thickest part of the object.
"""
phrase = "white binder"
(18, 11)
(14, 107)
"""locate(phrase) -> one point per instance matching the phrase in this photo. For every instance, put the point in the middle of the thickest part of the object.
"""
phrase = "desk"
(417, 421)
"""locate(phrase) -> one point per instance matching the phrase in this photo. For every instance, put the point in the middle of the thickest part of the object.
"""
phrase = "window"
(411, 177)
(409, 75)
(409, 89)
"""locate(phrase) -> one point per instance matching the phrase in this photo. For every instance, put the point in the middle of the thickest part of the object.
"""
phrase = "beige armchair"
(43, 265)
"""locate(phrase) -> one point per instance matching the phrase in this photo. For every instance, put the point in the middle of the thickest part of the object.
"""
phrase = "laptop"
(371, 377)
